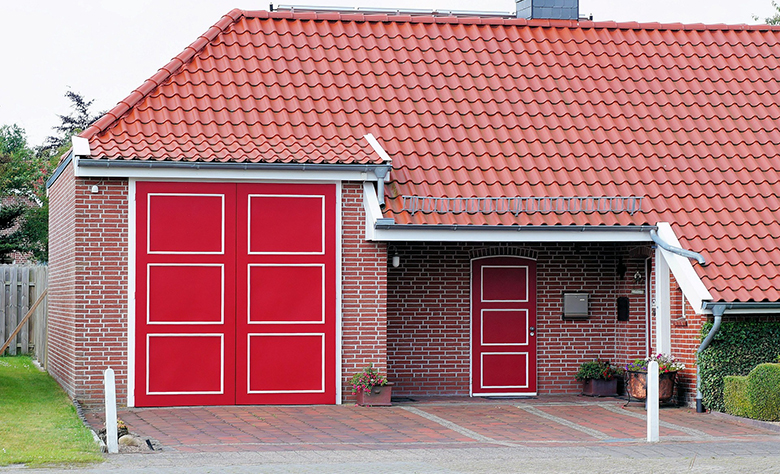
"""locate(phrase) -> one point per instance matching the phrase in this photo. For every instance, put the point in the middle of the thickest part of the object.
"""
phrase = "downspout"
(679, 251)
(717, 312)
(381, 172)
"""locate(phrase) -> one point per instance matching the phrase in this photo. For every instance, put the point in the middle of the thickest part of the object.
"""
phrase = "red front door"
(235, 294)
(503, 321)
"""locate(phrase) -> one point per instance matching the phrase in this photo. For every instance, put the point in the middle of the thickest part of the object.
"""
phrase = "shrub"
(597, 370)
(736, 350)
(735, 395)
(763, 392)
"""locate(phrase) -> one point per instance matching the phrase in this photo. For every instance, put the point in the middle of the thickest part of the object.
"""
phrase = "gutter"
(135, 164)
(718, 309)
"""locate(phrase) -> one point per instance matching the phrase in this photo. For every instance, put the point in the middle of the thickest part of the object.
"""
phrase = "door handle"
(532, 330)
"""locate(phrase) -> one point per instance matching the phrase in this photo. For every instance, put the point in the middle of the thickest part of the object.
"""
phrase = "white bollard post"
(652, 402)
(109, 383)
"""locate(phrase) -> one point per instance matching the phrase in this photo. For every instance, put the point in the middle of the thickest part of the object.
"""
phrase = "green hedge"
(756, 395)
(735, 395)
(763, 392)
(736, 350)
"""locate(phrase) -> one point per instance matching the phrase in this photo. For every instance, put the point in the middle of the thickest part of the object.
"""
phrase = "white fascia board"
(223, 174)
(510, 234)
(682, 269)
(373, 211)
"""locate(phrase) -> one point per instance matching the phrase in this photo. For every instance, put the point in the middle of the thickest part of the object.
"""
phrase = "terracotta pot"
(636, 385)
(599, 387)
(379, 396)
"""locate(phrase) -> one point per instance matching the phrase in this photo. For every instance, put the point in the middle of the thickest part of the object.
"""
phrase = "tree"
(23, 204)
(774, 19)
(70, 125)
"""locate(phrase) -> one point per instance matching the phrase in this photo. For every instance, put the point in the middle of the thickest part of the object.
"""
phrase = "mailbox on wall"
(575, 306)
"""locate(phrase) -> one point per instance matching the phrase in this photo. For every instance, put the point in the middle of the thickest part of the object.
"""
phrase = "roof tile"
(683, 115)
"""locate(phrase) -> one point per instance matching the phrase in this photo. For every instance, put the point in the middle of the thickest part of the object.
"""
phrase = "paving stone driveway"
(430, 424)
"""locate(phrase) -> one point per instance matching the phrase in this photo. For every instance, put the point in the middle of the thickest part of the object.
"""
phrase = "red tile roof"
(685, 116)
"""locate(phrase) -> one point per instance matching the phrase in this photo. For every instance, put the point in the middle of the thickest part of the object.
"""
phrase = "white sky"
(104, 49)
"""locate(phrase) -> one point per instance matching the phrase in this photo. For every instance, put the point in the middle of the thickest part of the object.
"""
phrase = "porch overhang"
(381, 229)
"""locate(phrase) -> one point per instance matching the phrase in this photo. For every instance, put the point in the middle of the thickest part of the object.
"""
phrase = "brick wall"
(428, 314)
(685, 340)
(88, 281)
(101, 286)
(364, 292)
(61, 361)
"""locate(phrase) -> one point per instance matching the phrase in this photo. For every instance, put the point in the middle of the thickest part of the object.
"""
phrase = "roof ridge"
(162, 74)
(402, 17)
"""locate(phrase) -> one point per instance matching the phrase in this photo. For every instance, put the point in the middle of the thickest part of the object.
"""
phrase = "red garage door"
(235, 294)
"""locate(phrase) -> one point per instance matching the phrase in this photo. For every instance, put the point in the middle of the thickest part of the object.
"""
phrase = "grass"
(38, 423)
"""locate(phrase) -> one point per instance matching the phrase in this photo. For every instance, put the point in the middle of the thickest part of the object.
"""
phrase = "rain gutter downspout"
(679, 251)
(717, 312)
(381, 172)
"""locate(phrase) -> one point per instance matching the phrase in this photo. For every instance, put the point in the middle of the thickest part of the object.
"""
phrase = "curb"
(80, 414)
(767, 425)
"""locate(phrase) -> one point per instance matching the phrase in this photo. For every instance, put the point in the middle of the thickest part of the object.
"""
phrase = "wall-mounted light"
(395, 259)
(95, 189)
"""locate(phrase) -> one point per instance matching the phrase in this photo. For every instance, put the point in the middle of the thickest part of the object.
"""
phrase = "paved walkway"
(429, 424)
(548, 434)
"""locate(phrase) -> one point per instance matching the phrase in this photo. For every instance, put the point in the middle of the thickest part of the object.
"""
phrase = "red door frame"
(503, 328)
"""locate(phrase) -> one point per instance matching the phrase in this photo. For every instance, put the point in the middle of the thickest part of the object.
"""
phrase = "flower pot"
(379, 396)
(599, 387)
(636, 385)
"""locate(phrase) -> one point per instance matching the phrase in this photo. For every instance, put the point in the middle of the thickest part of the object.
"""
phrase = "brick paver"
(431, 424)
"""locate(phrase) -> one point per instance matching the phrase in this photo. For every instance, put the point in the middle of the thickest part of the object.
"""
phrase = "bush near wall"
(736, 350)
(735, 395)
(755, 396)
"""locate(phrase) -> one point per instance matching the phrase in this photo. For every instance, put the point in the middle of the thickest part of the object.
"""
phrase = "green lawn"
(38, 423)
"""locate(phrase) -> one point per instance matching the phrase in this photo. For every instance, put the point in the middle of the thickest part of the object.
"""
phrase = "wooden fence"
(22, 284)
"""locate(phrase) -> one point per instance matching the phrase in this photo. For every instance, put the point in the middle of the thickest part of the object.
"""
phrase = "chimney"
(548, 9)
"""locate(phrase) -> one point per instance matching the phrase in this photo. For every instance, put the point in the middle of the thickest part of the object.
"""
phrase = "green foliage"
(736, 350)
(79, 119)
(24, 212)
(366, 380)
(38, 423)
(597, 370)
(735, 395)
(763, 392)
(774, 19)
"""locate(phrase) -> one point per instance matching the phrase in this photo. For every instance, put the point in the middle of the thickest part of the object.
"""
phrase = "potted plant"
(371, 387)
(599, 378)
(636, 377)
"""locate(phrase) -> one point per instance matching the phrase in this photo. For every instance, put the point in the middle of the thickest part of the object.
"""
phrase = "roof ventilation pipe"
(679, 251)
(548, 9)
(717, 312)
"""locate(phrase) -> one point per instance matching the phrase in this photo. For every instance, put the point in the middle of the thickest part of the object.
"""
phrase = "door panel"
(503, 320)
(185, 287)
(286, 294)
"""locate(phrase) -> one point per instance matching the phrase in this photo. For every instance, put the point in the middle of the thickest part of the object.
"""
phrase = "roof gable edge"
(104, 122)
